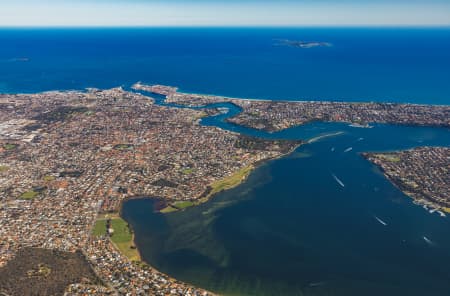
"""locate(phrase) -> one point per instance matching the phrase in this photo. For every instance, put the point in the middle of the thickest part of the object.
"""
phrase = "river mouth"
(292, 229)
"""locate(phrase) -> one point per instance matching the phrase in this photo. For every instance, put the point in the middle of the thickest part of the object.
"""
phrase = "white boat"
(332, 149)
(348, 149)
(360, 125)
(360, 139)
(442, 214)
(381, 221)
(337, 180)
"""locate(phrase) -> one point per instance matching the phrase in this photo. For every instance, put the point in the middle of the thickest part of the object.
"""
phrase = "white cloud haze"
(141, 13)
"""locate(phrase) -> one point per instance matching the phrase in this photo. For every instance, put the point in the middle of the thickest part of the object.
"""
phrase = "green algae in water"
(290, 229)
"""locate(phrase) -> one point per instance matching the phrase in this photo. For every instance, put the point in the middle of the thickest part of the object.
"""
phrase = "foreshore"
(226, 183)
(420, 173)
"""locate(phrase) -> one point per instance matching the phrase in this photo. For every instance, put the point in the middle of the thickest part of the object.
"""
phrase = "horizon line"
(353, 26)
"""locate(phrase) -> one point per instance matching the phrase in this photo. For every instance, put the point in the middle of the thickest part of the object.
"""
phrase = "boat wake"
(381, 221)
(316, 284)
(315, 139)
(338, 180)
(428, 241)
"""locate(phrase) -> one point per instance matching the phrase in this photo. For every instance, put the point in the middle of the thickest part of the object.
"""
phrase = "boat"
(338, 180)
(359, 125)
(436, 210)
(381, 221)
(348, 149)
(332, 149)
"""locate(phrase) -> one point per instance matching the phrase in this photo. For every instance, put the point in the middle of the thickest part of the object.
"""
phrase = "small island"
(302, 44)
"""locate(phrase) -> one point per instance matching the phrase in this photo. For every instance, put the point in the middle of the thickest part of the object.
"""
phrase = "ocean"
(407, 65)
(290, 229)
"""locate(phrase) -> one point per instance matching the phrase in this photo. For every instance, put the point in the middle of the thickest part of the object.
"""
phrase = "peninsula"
(277, 115)
(421, 173)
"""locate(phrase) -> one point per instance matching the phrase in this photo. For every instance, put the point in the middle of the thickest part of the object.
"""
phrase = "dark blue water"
(290, 229)
(410, 65)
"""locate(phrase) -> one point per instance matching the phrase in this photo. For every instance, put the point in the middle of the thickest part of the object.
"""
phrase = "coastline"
(130, 244)
(248, 170)
(139, 261)
(428, 205)
(404, 170)
(145, 87)
(223, 184)
(272, 116)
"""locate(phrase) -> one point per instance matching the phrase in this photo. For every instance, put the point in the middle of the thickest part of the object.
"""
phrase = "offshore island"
(69, 159)
(303, 44)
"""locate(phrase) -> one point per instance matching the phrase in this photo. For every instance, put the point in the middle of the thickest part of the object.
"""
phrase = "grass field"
(180, 205)
(224, 184)
(122, 237)
(48, 178)
(29, 195)
(168, 209)
(230, 181)
(188, 171)
(99, 228)
(9, 146)
(183, 204)
(390, 157)
(3, 168)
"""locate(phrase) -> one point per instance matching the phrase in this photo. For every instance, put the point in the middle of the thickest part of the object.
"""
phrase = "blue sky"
(15, 13)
